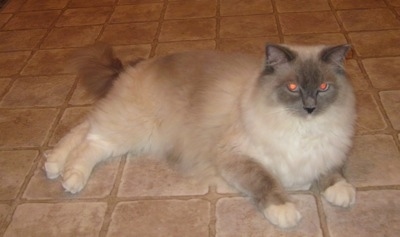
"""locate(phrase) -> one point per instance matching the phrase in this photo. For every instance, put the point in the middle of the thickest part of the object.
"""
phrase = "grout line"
(277, 21)
(161, 20)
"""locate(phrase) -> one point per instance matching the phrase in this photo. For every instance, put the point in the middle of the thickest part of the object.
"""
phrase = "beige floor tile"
(256, 26)
(190, 29)
(376, 43)
(25, 127)
(38, 91)
(238, 7)
(302, 5)
(12, 62)
(44, 5)
(355, 75)
(161, 218)
(174, 47)
(4, 211)
(384, 73)
(376, 213)
(238, 217)
(391, 103)
(146, 177)
(73, 36)
(57, 219)
(48, 62)
(31, 20)
(135, 13)
(4, 83)
(315, 39)
(310, 22)
(131, 33)
(358, 20)
(84, 16)
(97, 3)
(70, 118)
(21, 39)
(252, 45)
(374, 167)
(369, 117)
(99, 185)
(14, 166)
(191, 9)
(353, 4)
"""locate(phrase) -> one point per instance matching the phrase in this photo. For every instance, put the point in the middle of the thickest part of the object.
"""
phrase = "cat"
(264, 126)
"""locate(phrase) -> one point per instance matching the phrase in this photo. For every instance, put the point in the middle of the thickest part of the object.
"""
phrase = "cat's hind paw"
(74, 181)
(340, 194)
(283, 216)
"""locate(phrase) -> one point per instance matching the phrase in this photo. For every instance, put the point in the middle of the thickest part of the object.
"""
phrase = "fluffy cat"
(262, 125)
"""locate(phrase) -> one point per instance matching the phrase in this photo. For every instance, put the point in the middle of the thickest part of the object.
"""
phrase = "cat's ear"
(335, 55)
(278, 54)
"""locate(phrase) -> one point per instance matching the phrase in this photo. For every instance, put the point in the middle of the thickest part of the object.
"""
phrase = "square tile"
(25, 127)
(369, 117)
(12, 6)
(373, 167)
(376, 213)
(135, 13)
(4, 212)
(354, 4)
(61, 219)
(99, 185)
(44, 5)
(4, 19)
(395, 3)
(161, 218)
(384, 73)
(238, 217)
(191, 9)
(256, 26)
(73, 36)
(130, 52)
(84, 16)
(38, 91)
(391, 103)
(148, 177)
(359, 20)
(190, 29)
(12, 62)
(14, 166)
(310, 22)
(175, 47)
(31, 20)
(376, 43)
(81, 95)
(21, 39)
(70, 118)
(355, 75)
(255, 45)
(132, 33)
(97, 3)
(302, 5)
(316, 39)
(4, 83)
(238, 7)
(48, 62)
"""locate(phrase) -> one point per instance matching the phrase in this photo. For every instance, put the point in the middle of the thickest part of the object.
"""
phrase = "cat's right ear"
(278, 54)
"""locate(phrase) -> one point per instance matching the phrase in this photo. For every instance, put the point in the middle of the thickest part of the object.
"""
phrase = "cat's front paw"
(341, 194)
(283, 216)
(74, 180)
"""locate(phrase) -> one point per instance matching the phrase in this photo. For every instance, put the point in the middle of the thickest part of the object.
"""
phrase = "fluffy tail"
(97, 68)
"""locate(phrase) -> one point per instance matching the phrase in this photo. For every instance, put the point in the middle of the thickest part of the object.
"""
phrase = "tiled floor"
(40, 100)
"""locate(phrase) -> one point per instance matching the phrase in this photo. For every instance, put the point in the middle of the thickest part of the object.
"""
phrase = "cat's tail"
(97, 67)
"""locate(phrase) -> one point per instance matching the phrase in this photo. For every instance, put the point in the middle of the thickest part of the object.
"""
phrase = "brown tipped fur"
(97, 68)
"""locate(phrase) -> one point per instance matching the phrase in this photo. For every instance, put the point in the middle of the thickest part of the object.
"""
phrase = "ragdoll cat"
(262, 125)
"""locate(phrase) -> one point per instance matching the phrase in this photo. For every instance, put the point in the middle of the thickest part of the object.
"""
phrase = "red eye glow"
(324, 86)
(292, 86)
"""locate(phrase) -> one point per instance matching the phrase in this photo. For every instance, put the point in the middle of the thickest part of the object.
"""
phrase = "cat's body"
(226, 113)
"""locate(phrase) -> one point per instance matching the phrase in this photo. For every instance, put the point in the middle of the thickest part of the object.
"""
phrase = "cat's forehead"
(305, 53)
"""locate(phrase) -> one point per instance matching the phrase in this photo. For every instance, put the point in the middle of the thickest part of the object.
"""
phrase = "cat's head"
(305, 80)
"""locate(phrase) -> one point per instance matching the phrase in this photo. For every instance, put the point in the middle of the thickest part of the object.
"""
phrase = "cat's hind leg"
(56, 158)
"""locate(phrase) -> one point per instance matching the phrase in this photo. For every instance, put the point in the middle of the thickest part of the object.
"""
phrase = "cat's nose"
(309, 109)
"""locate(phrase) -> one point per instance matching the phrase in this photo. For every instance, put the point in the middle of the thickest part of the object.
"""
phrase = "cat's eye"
(324, 86)
(292, 87)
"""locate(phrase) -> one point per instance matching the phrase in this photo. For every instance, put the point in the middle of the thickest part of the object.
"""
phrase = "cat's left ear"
(335, 55)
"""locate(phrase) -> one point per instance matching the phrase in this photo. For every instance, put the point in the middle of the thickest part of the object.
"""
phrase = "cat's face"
(305, 83)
